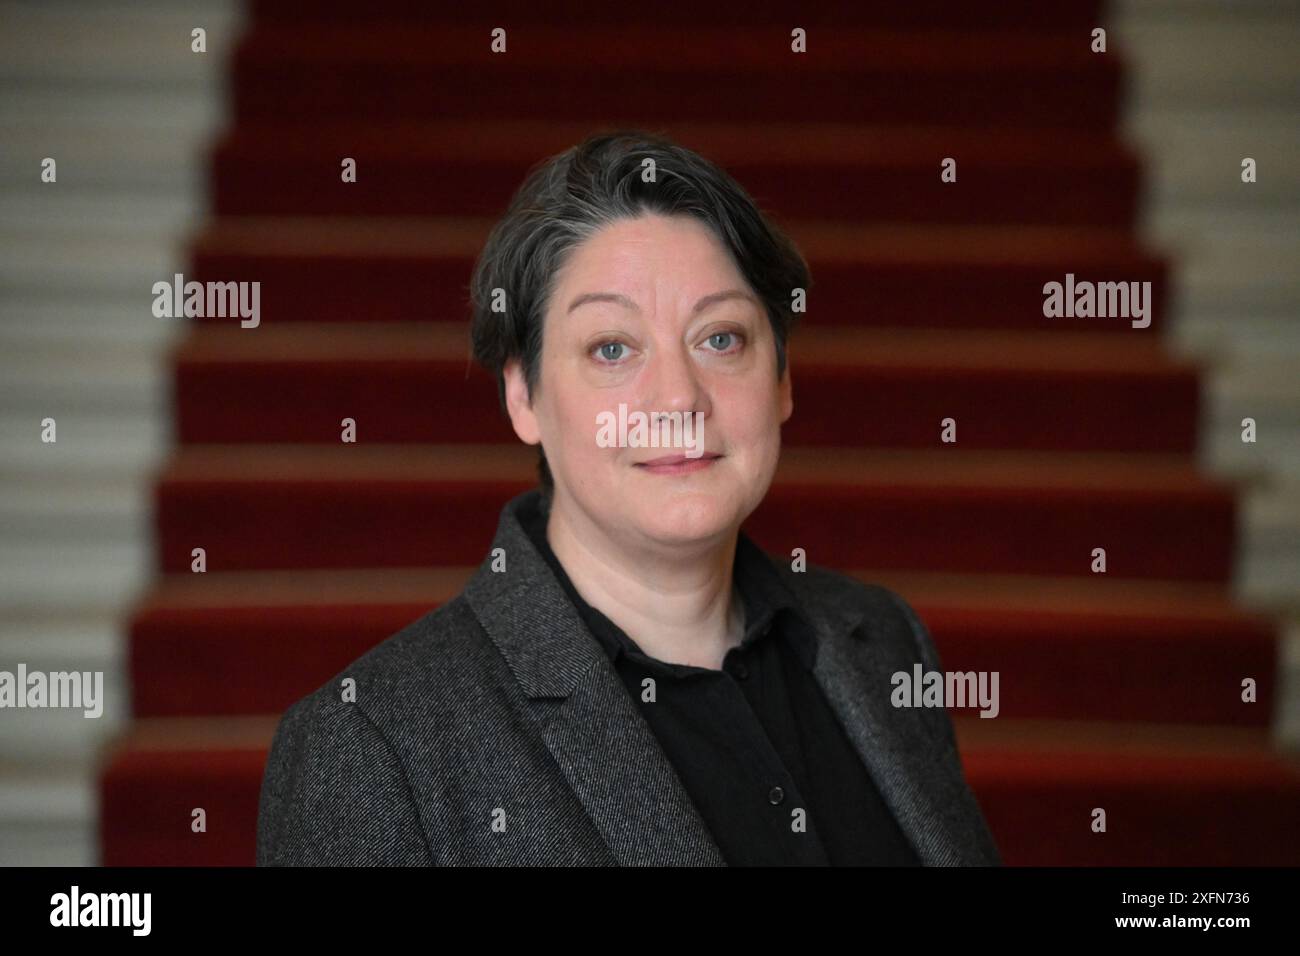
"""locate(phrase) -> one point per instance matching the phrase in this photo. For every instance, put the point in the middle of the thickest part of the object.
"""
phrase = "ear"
(785, 390)
(518, 404)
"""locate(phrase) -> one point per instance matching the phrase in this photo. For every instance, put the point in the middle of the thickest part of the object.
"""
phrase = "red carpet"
(1118, 690)
(403, 269)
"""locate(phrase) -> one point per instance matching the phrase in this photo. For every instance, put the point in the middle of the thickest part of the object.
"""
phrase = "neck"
(678, 607)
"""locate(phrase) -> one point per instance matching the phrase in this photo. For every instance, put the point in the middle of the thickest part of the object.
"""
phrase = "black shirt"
(755, 741)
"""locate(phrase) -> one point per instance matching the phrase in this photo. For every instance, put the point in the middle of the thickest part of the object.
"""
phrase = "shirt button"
(775, 796)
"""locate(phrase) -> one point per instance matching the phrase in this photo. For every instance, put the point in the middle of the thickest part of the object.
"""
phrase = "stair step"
(1186, 646)
(355, 269)
(104, 44)
(71, 258)
(1166, 792)
(396, 380)
(85, 326)
(47, 815)
(657, 72)
(41, 574)
(817, 171)
(280, 506)
(1013, 16)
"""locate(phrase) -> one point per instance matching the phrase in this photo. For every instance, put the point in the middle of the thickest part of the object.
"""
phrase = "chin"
(689, 518)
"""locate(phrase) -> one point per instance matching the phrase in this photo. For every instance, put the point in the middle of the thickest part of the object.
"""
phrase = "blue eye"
(727, 340)
(610, 345)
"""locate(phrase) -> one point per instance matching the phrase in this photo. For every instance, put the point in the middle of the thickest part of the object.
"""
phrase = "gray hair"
(568, 198)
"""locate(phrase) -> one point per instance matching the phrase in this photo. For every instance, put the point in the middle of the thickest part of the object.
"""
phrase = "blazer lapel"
(603, 745)
(623, 778)
(921, 783)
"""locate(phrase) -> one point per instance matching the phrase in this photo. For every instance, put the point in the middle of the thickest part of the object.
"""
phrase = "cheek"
(750, 411)
(577, 424)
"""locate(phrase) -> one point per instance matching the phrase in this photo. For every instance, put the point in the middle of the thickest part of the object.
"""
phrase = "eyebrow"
(620, 299)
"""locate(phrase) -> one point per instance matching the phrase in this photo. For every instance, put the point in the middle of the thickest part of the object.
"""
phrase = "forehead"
(657, 251)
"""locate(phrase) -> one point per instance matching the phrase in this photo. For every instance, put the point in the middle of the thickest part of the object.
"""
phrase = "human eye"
(725, 341)
(609, 352)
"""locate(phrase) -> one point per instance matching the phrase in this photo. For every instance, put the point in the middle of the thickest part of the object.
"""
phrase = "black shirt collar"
(768, 601)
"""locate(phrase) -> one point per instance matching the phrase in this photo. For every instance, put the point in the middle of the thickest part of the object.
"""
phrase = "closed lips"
(678, 459)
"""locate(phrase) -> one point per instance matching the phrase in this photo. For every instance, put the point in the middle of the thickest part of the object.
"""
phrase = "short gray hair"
(568, 198)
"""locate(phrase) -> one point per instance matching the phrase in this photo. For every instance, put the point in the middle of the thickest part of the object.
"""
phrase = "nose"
(672, 383)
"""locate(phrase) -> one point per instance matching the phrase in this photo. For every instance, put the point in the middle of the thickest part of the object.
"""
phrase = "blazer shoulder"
(336, 787)
(844, 599)
(433, 659)
(334, 792)
(868, 611)
(411, 679)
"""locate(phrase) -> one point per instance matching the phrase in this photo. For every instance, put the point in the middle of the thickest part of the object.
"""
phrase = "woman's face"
(652, 313)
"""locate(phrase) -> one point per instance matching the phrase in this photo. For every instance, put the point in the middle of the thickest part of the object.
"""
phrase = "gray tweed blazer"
(495, 731)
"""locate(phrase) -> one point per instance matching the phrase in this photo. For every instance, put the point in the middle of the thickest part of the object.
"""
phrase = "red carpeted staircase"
(1119, 690)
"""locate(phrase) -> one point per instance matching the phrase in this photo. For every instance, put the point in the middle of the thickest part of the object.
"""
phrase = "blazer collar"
(606, 749)
(527, 614)
(616, 765)
(762, 591)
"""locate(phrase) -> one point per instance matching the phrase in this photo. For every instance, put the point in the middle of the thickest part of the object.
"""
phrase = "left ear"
(519, 403)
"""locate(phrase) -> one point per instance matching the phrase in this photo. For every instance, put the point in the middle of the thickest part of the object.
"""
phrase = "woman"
(628, 678)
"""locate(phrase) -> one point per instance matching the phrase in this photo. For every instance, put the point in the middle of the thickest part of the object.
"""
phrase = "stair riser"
(420, 287)
(989, 194)
(264, 659)
(432, 402)
(1039, 808)
(326, 523)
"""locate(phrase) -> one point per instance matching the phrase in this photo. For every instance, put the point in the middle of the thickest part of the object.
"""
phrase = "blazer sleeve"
(334, 793)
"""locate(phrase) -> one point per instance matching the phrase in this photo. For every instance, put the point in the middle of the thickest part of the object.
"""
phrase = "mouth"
(678, 464)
